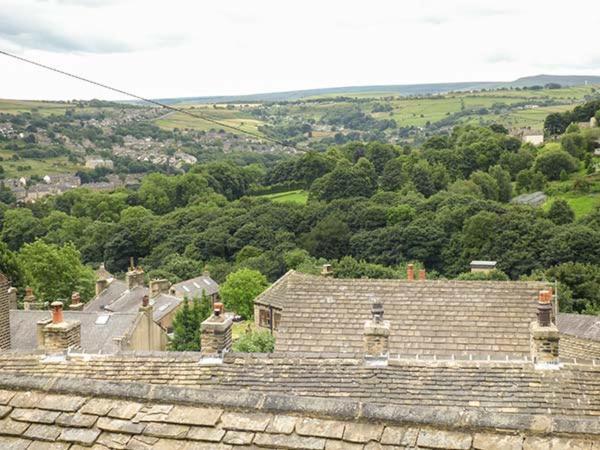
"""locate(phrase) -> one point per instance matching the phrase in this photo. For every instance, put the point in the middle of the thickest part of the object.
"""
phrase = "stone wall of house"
(574, 347)
(4, 313)
(61, 336)
(36, 419)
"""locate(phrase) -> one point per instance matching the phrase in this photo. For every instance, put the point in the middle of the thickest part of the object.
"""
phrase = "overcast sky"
(180, 48)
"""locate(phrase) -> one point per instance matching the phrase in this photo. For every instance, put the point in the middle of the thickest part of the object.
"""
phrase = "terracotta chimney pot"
(422, 275)
(410, 272)
(57, 312)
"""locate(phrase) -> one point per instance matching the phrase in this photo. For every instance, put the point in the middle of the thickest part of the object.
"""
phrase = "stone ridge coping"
(310, 358)
(345, 409)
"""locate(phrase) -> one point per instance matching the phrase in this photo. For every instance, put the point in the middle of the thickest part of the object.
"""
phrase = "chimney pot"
(410, 272)
(145, 301)
(75, 298)
(377, 310)
(544, 308)
(327, 270)
(57, 312)
(218, 309)
(422, 275)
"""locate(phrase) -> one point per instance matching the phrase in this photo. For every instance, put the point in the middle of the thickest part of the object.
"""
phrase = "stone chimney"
(376, 333)
(60, 335)
(215, 332)
(422, 275)
(4, 313)
(76, 304)
(544, 333)
(482, 266)
(158, 287)
(327, 270)
(148, 310)
(410, 272)
(12, 298)
(134, 276)
(101, 285)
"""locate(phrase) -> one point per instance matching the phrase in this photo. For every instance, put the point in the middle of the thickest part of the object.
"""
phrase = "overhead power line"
(147, 100)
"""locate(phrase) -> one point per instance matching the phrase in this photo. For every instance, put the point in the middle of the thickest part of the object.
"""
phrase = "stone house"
(35, 328)
(123, 296)
(373, 395)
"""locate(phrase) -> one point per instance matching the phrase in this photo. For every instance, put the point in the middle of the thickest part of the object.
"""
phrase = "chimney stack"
(59, 335)
(544, 333)
(422, 275)
(101, 285)
(76, 304)
(410, 272)
(327, 270)
(134, 276)
(215, 332)
(376, 333)
(4, 313)
(158, 287)
(12, 298)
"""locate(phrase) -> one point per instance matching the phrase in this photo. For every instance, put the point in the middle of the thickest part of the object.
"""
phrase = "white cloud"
(184, 48)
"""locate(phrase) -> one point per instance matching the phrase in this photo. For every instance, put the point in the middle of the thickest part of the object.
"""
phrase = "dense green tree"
(20, 227)
(552, 162)
(329, 238)
(502, 178)
(187, 321)
(487, 184)
(560, 212)
(56, 272)
(240, 289)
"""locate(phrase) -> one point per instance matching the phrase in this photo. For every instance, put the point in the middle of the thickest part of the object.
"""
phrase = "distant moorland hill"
(393, 89)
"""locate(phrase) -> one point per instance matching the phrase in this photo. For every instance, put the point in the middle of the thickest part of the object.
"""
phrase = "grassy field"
(299, 197)
(28, 167)
(582, 204)
(237, 118)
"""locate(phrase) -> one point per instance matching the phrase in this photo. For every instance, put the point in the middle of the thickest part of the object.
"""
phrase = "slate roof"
(96, 336)
(113, 291)
(579, 325)
(437, 317)
(193, 287)
(163, 304)
(275, 295)
(59, 414)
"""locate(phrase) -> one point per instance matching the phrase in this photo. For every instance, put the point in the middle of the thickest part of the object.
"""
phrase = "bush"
(494, 275)
(255, 342)
(552, 162)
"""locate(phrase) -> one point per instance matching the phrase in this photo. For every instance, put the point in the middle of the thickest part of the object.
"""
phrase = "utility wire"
(147, 100)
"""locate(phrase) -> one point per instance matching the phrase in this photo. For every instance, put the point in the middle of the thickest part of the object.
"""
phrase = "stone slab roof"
(163, 304)
(97, 336)
(495, 388)
(275, 295)
(42, 413)
(113, 291)
(579, 325)
(193, 287)
(437, 317)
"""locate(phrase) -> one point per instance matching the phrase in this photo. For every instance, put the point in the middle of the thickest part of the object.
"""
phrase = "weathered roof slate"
(95, 337)
(193, 287)
(486, 386)
(437, 317)
(579, 325)
(54, 414)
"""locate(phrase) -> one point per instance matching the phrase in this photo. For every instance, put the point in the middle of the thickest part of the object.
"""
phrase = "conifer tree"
(186, 324)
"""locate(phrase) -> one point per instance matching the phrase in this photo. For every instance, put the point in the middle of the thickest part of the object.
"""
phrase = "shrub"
(255, 342)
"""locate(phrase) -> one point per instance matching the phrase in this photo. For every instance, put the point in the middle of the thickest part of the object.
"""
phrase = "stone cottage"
(459, 365)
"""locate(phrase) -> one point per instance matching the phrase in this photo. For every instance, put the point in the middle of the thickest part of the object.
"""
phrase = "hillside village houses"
(358, 364)
(124, 315)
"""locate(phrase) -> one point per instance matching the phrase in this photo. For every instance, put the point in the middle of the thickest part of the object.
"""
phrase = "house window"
(264, 318)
